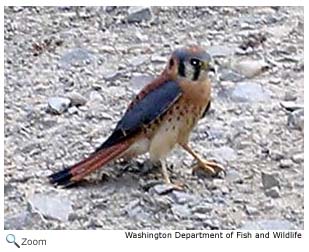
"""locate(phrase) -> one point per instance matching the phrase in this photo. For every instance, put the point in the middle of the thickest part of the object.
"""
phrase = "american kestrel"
(162, 115)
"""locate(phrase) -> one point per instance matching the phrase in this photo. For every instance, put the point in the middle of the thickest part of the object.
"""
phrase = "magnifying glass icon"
(10, 238)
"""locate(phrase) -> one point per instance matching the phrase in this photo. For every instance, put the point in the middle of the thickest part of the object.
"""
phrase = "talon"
(200, 166)
(217, 167)
(209, 167)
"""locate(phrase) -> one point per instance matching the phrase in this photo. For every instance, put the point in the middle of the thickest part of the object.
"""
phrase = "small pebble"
(285, 163)
(181, 211)
(203, 208)
(77, 99)
(200, 216)
(163, 188)
(276, 155)
(58, 105)
(296, 120)
(298, 158)
(139, 14)
(73, 110)
(270, 180)
(291, 105)
(54, 206)
(250, 68)
(182, 197)
(273, 192)
(251, 210)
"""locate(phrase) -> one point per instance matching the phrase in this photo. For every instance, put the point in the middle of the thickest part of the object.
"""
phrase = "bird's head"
(191, 63)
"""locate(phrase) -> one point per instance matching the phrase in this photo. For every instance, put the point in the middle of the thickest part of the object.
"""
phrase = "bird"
(161, 116)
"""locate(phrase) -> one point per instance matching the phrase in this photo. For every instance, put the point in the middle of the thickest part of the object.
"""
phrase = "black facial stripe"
(182, 69)
(171, 63)
(197, 71)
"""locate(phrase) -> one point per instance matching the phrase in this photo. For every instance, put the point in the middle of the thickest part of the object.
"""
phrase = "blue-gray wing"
(144, 111)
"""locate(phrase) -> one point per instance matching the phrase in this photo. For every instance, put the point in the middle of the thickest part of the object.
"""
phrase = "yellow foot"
(211, 168)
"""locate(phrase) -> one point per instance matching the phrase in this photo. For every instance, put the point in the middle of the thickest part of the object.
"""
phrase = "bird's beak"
(207, 66)
(211, 68)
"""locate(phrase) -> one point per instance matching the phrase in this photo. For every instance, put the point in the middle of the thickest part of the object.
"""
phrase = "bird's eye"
(195, 62)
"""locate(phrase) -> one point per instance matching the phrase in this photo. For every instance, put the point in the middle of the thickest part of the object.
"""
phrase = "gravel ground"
(69, 75)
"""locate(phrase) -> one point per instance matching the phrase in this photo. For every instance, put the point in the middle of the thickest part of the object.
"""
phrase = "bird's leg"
(166, 177)
(165, 172)
(208, 166)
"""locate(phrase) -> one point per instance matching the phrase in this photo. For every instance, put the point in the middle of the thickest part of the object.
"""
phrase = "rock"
(138, 81)
(17, 8)
(182, 197)
(94, 223)
(73, 110)
(249, 92)
(133, 208)
(182, 211)
(8, 188)
(202, 208)
(111, 74)
(146, 185)
(138, 60)
(291, 105)
(77, 99)
(76, 57)
(273, 192)
(239, 199)
(250, 210)
(139, 14)
(224, 154)
(28, 148)
(22, 220)
(234, 176)
(58, 105)
(253, 40)
(290, 96)
(132, 204)
(213, 224)
(157, 59)
(163, 188)
(270, 180)
(276, 155)
(73, 217)
(268, 204)
(298, 158)
(214, 133)
(163, 202)
(285, 163)
(275, 81)
(296, 120)
(217, 184)
(95, 96)
(106, 49)
(279, 31)
(250, 68)
(53, 206)
(142, 37)
(230, 75)
(200, 216)
(109, 8)
(220, 51)
(268, 225)
(224, 190)
(299, 184)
